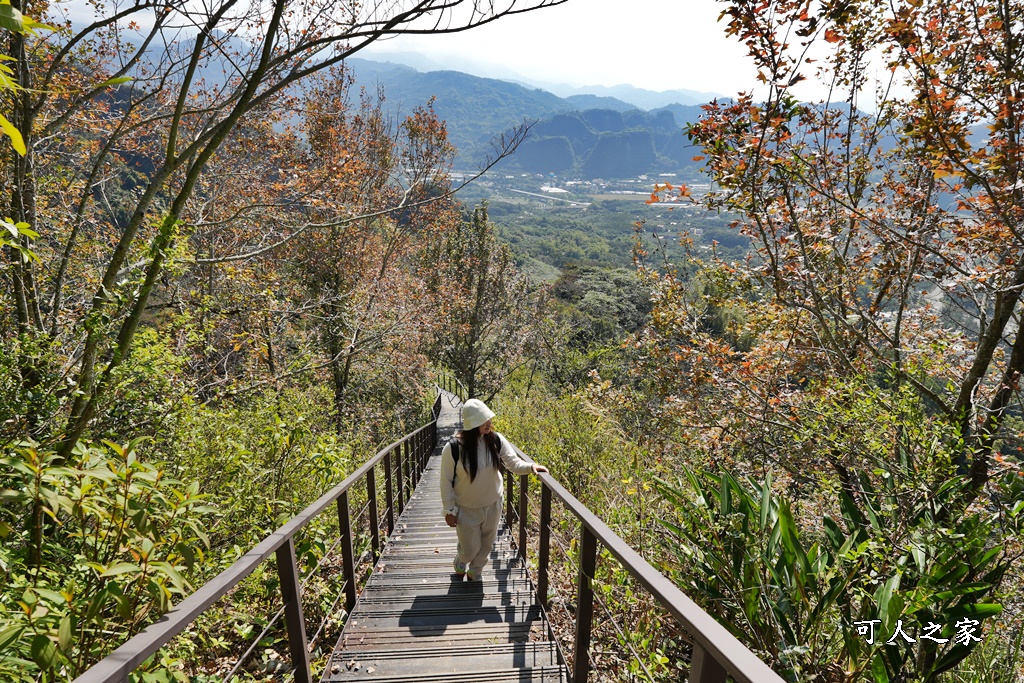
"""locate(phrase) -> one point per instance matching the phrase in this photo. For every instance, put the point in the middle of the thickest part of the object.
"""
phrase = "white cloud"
(650, 44)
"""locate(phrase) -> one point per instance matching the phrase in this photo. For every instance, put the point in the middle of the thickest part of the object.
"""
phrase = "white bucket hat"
(474, 413)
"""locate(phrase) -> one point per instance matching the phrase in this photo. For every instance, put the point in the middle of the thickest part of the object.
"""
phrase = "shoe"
(470, 576)
(460, 568)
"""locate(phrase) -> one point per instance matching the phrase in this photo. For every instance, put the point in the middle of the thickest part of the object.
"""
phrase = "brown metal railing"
(449, 382)
(716, 652)
(403, 461)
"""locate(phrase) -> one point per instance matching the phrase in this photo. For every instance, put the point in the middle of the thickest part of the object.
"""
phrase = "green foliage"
(487, 312)
(611, 303)
(582, 448)
(149, 386)
(14, 234)
(797, 598)
(994, 660)
(594, 310)
(11, 19)
(266, 455)
(92, 552)
(25, 407)
(602, 234)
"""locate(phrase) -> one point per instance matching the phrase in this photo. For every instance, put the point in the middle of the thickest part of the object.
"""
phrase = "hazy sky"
(653, 44)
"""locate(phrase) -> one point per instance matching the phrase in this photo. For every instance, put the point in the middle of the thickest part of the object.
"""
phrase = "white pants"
(476, 530)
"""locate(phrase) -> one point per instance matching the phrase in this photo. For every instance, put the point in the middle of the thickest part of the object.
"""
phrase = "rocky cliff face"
(606, 144)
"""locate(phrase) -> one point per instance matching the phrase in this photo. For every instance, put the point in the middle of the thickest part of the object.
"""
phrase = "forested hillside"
(231, 275)
(588, 137)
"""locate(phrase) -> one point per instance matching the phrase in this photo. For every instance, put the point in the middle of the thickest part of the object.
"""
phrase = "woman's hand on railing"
(537, 469)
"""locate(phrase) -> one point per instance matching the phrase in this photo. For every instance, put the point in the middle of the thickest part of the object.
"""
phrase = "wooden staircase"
(416, 620)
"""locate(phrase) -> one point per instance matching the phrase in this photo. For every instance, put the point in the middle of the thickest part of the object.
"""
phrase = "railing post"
(414, 457)
(410, 457)
(390, 492)
(524, 484)
(509, 506)
(417, 458)
(704, 668)
(407, 464)
(543, 544)
(584, 605)
(288, 573)
(371, 494)
(424, 451)
(348, 561)
(400, 475)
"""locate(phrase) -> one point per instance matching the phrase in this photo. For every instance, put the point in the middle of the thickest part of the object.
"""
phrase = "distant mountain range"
(597, 134)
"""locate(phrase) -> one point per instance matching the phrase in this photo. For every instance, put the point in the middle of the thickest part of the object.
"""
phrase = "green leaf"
(114, 81)
(119, 568)
(851, 514)
(964, 589)
(981, 609)
(64, 634)
(9, 636)
(878, 671)
(725, 499)
(17, 142)
(171, 573)
(5, 529)
(11, 19)
(31, 25)
(794, 552)
(189, 555)
(835, 535)
(952, 658)
(882, 597)
(52, 596)
(43, 652)
(766, 498)
(920, 559)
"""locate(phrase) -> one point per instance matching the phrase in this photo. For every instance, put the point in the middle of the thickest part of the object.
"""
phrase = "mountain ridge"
(582, 135)
(641, 98)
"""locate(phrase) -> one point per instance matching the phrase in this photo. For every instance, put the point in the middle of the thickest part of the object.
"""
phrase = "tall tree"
(195, 77)
(488, 312)
(889, 244)
(355, 261)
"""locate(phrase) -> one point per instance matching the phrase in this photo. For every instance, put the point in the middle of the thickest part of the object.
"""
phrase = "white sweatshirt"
(486, 488)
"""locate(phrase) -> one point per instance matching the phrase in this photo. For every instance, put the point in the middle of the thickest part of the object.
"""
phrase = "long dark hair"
(469, 439)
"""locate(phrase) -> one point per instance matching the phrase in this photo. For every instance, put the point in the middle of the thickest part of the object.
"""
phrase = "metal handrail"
(410, 454)
(447, 380)
(716, 652)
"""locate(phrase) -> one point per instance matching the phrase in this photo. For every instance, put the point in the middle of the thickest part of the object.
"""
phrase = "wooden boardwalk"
(417, 621)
